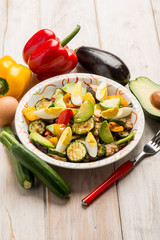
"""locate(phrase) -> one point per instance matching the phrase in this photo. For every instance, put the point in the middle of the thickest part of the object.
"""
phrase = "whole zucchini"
(36, 165)
(103, 63)
(24, 176)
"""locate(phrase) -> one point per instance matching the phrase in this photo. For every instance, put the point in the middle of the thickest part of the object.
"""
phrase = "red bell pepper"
(65, 116)
(48, 133)
(46, 56)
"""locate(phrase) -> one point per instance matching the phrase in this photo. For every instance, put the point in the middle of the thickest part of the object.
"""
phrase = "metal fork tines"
(152, 147)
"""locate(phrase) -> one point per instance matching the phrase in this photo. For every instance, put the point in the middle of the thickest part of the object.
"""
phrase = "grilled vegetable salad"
(80, 125)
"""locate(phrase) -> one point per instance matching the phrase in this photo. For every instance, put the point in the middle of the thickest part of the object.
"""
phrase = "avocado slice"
(69, 87)
(110, 103)
(85, 112)
(59, 101)
(36, 137)
(105, 133)
(142, 88)
(51, 128)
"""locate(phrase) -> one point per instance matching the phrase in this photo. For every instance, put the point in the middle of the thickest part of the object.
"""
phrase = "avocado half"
(142, 88)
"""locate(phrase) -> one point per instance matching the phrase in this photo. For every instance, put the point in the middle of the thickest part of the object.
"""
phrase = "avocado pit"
(155, 99)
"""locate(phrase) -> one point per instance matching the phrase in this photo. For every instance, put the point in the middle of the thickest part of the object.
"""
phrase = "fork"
(151, 148)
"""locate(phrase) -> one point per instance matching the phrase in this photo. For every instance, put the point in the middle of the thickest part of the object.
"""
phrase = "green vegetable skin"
(24, 176)
(36, 165)
(129, 138)
(53, 151)
(105, 133)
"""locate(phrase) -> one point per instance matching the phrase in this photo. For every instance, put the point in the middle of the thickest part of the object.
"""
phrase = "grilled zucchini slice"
(54, 152)
(121, 134)
(57, 92)
(116, 120)
(83, 127)
(101, 150)
(43, 103)
(76, 151)
(37, 126)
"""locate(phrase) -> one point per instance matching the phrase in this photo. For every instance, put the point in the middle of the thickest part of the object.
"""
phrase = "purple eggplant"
(103, 63)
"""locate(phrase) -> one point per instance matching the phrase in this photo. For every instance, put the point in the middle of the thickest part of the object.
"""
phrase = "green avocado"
(40, 139)
(51, 128)
(59, 101)
(142, 88)
(110, 103)
(69, 87)
(105, 133)
(85, 112)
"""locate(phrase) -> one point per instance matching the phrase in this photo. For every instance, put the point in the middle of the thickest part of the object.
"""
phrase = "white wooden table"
(129, 210)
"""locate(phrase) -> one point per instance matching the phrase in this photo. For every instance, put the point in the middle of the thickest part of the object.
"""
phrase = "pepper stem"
(70, 36)
(3, 86)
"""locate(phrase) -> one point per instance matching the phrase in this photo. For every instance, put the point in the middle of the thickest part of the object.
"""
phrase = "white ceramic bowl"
(46, 89)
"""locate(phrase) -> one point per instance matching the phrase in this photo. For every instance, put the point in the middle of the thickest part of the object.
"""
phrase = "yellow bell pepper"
(89, 96)
(29, 113)
(53, 140)
(14, 78)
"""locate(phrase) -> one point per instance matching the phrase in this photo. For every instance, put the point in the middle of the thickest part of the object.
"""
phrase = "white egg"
(124, 112)
(76, 95)
(64, 140)
(101, 93)
(48, 113)
(91, 145)
(61, 147)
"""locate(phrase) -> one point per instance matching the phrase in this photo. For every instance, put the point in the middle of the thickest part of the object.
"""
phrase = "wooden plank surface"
(128, 210)
(22, 212)
(138, 45)
(77, 222)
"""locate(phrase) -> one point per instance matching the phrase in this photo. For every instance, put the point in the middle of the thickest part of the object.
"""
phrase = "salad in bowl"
(85, 120)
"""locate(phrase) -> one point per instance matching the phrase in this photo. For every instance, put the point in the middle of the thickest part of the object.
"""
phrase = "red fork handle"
(111, 179)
